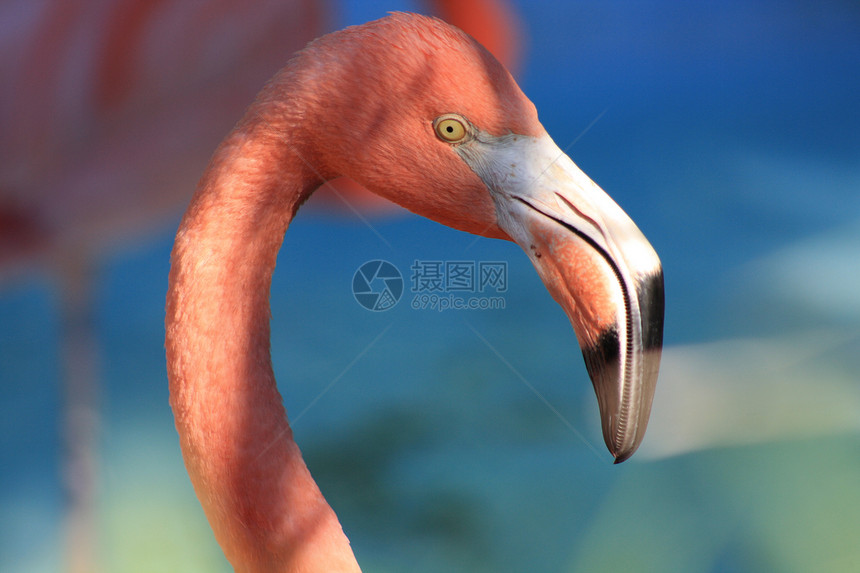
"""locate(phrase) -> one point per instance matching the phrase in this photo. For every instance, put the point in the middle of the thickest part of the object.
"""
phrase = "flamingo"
(97, 89)
(419, 113)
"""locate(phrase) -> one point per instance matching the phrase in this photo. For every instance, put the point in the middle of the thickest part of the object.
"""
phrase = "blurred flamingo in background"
(466, 150)
(109, 113)
(85, 162)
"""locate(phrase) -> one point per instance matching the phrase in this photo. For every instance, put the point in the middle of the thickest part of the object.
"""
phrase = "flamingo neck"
(266, 511)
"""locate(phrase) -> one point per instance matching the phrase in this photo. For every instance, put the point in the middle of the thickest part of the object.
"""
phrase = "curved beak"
(596, 264)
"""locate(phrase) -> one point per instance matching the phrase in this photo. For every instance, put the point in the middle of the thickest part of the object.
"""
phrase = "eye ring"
(451, 128)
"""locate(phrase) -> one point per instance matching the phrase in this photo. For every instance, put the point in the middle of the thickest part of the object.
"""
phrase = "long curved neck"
(265, 509)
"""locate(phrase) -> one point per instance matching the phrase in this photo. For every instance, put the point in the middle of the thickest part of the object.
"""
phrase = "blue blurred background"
(730, 132)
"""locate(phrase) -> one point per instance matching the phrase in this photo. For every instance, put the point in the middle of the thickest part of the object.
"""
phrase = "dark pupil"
(449, 129)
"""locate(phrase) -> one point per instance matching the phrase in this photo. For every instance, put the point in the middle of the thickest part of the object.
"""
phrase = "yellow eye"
(450, 128)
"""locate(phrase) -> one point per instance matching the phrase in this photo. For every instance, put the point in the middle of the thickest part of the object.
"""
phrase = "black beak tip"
(625, 398)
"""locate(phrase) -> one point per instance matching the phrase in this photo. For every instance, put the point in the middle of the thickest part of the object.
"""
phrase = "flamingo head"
(436, 124)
